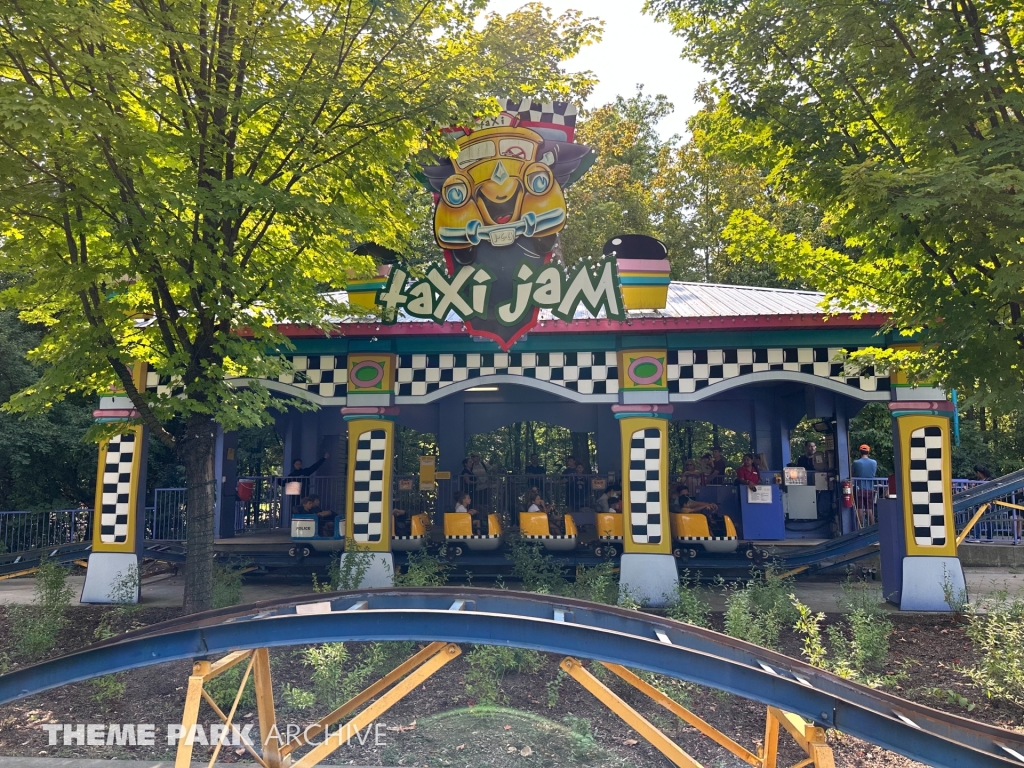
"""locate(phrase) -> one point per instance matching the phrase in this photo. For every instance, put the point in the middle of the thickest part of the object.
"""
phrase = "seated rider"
(463, 504)
(311, 505)
(402, 522)
(556, 520)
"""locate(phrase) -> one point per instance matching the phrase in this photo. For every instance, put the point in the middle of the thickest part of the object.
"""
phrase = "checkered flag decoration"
(927, 487)
(117, 486)
(645, 503)
(368, 487)
(589, 373)
(553, 113)
(691, 370)
(323, 375)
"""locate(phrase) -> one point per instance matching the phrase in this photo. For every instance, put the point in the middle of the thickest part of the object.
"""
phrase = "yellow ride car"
(501, 190)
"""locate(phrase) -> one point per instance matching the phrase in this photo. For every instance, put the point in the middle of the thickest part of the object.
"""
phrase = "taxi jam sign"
(499, 206)
(468, 295)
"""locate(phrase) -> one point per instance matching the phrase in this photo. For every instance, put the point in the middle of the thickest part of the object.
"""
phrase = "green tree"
(178, 177)
(904, 123)
(47, 464)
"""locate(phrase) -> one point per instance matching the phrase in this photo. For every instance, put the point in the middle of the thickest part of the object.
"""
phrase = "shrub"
(297, 698)
(224, 687)
(539, 572)
(745, 621)
(35, 628)
(328, 664)
(597, 583)
(346, 572)
(998, 638)
(374, 660)
(108, 689)
(124, 595)
(227, 584)
(488, 665)
(424, 570)
(688, 603)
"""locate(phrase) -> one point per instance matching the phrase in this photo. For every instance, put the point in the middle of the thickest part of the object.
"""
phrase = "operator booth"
(502, 331)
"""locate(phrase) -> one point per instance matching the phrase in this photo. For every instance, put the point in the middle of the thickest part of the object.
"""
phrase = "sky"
(634, 49)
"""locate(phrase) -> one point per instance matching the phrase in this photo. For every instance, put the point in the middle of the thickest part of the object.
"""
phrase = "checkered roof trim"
(117, 486)
(928, 487)
(690, 370)
(324, 375)
(589, 373)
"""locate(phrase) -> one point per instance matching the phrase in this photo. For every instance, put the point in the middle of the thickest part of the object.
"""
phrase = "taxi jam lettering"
(467, 294)
(499, 206)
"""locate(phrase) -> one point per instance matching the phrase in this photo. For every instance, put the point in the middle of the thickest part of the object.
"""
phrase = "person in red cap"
(865, 467)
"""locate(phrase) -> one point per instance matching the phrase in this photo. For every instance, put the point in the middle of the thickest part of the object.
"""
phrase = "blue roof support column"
(451, 434)
(842, 439)
(764, 428)
(286, 426)
(609, 443)
(227, 473)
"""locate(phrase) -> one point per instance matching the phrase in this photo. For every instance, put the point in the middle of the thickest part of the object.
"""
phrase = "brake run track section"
(556, 625)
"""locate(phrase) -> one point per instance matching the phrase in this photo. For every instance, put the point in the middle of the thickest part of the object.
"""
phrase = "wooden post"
(190, 715)
(271, 746)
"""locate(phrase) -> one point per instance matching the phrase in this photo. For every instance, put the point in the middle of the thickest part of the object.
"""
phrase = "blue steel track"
(554, 625)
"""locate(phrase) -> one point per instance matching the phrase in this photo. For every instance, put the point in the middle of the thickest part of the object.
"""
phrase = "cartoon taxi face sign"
(502, 189)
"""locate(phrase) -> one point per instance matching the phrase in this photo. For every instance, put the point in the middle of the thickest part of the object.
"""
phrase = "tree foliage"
(178, 171)
(903, 122)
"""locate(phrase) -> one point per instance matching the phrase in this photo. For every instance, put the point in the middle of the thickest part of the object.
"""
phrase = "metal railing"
(1003, 518)
(165, 520)
(22, 531)
(265, 503)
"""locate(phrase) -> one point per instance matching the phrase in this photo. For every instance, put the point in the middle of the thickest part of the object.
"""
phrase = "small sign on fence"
(405, 484)
(427, 466)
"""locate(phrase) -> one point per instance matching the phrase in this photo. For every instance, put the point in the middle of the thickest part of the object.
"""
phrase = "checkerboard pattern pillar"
(926, 479)
(370, 475)
(645, 485)
(117, 492)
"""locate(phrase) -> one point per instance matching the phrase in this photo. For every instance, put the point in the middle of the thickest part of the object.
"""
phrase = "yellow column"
(646, 525)
(926, 479)
(119, 474)
(370, 473)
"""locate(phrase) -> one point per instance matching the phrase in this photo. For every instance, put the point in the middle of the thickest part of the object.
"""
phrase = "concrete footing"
(380, 568)
(107, 575)
(648, 579)
(926, 580)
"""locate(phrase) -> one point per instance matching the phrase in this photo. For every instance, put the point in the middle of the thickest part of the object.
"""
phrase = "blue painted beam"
(523, 620)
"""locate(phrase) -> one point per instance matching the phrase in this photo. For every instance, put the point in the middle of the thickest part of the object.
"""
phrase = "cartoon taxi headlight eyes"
(538, 180)
(455, 193)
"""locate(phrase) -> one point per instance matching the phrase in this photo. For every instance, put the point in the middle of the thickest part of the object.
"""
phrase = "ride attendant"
(298, 471)
(748, 474)
(717, 466)
(534, 467)
(865, 466)
(807, 460)
(982, 473)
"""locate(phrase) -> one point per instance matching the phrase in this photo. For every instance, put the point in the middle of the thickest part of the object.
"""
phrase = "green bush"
(598, 583)
(424, 570)
(124, 595)
(297, 698)
(858, 647)
(224, 687)
(227, 584)
(688, 603)
(108, 689)
(539, 572)
(328, 664)
(758, 610)
(998, 638)
(35, 628)
(488, 665)
(374, 660)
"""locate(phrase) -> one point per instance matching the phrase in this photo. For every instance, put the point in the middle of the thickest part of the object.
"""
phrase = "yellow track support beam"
(630, 716)
(316, 755)
(271, 746)
(685, 715)
(190, 715)
(313, 731)
(967, 529)
(810, 738)
(14, 575)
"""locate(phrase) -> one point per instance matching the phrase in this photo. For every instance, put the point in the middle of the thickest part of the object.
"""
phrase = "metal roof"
(688, 300)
